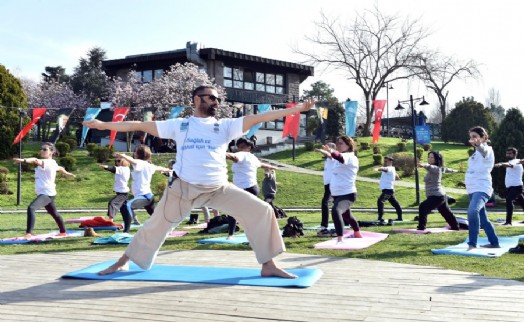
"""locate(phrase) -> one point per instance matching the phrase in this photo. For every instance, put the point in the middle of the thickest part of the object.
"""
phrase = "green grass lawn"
(93, 188)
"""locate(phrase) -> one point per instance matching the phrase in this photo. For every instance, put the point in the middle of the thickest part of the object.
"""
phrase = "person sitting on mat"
(142, 174)
(386, 184)
(342, 185)
(120, 186)
(201, 179)
(245, 165)
(45, 187)
(435, 194)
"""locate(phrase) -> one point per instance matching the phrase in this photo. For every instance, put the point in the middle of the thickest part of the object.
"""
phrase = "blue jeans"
(477, 216)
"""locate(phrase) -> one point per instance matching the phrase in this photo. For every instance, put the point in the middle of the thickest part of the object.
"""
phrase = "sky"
(39, 33)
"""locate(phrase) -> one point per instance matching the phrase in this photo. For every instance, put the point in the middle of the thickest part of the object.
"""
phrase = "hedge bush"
(68, 162)
(427, 146)
(102, 154)
(310, 146)
(376, 149)
(364, 146)
(401, 146)
(62, 148)
(378, 159)
(91, 148)
(404, 162)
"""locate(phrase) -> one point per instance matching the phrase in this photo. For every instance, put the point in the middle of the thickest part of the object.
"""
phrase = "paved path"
(292, 168)
(350, 290)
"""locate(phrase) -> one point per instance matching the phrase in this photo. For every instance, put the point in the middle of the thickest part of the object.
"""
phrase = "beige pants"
(255, 215)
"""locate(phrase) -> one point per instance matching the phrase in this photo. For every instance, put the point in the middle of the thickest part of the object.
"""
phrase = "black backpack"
(293, 228)
(279, 212)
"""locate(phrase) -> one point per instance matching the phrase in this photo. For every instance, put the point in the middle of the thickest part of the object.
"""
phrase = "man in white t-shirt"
(513, 182)
(386, 183)
(200, 179)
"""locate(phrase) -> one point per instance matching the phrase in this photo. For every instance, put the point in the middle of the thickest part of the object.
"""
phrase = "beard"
(212, 110)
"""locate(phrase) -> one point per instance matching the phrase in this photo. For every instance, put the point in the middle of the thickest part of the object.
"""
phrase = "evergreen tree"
(11, 95)
(89, 78)
(466, 114)
(323, 94)
(509, 133)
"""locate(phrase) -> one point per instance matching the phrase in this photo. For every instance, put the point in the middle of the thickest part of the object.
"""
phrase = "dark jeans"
(440, 203)
(341, 205)
(48, 203)
(325, 206)
(388, 194)
(513, 193)
(232, 222)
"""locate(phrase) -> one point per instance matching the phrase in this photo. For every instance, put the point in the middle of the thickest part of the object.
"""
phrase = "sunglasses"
(117, 161)
(44, 149)
(213, 98)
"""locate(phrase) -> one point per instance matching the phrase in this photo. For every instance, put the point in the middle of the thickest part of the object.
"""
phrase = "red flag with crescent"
(38, 112)
(379, 108)
(292, 123)
(118, 116)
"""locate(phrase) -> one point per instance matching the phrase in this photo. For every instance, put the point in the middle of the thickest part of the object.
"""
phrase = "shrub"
(62, 148)
(4, 186)
(310, 146)
(4, 189)
(71, 142)
(158, 190)
(420, 151)
(404, 162)
(91, 148)
(364, 146)
(4, 170)
(378, 159)
(68, 162)
(427, 146)
(471, 150)
(376, 149)
(102, 154)
(401, 146)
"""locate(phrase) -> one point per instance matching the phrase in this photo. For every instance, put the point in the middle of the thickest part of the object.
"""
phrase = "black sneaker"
(323, 233)
(517, 250)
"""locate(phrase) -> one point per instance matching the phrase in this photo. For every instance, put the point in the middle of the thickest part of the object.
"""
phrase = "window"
(245, 78)
(158, 73)
(147, 76)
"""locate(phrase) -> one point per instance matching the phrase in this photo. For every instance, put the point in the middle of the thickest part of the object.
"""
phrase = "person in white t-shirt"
(479, 188)
(45, 187)
(201, 180)
(141, 174)
(513, 182)
(120, 186)
(387, 186)
(342, 184)
(245, 165)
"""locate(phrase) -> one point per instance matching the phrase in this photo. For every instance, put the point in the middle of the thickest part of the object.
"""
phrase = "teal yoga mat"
(238, 240)
(200, 274)
(462, 249)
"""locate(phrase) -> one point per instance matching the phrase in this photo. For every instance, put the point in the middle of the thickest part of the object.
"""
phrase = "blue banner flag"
(351, 117)
(262, 108)
(175, 112)
(91, 114)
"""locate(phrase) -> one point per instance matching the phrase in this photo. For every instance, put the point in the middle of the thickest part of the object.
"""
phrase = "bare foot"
(471, 248)
(357, 234)
(230, 237)
(271, 269)
(121, 265)
(490, 246)
(28, 236)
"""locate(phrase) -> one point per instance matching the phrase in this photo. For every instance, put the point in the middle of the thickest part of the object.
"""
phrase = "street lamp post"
(412, 107)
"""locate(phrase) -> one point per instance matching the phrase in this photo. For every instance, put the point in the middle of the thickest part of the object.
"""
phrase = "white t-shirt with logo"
(245, 170)
(201, 146)
(329, 163)
(343, 179)
(45, 178)
(122, 175)
(514, 175)
(142, 174)
(478, 174)
(387, 178)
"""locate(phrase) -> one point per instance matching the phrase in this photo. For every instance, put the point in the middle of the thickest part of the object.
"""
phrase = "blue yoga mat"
(103, 227)
(200, 274)
(238, 240)
(123, 238)
(461, 249)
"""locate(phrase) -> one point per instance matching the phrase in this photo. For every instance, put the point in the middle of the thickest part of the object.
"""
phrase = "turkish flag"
(292, 123)
(38, 112)
(379, 107)
(118, 116)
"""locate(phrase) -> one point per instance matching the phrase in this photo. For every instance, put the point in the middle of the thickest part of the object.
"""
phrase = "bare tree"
(493, 98)
(372, 50)
(438, 71)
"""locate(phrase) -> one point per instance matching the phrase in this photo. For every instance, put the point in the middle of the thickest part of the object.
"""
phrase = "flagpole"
(19, 179)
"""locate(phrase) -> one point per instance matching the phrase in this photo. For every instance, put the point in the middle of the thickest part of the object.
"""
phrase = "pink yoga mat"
(78, 220)
(349, 243)
(177, 233)
(426, 231)
(44, 237)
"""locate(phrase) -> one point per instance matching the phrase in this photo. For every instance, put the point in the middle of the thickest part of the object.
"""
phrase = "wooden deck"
(350, 290)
